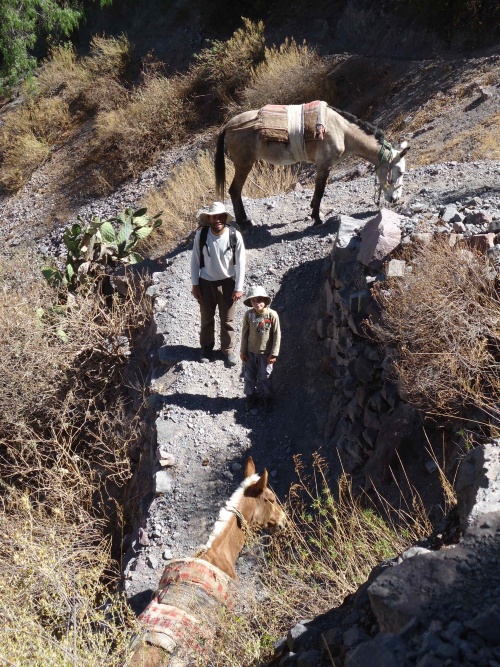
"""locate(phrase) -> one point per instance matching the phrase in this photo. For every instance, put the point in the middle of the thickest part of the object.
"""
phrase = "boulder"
(478, 482)
(379, 237)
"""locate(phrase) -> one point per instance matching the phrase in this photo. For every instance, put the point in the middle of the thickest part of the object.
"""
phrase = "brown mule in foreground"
(181, 619)
(313, 132)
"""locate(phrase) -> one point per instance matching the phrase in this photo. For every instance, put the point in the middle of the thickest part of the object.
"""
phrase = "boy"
(260, 346)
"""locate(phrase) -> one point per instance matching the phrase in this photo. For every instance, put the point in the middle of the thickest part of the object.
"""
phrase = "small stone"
(163, 483)
(152, 562)
(143, 538)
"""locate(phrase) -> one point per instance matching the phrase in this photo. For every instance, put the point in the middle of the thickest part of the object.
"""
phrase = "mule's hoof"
(317, 223)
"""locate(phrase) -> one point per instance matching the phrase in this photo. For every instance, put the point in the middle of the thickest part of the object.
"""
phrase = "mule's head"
(260, 506)
(390, 171)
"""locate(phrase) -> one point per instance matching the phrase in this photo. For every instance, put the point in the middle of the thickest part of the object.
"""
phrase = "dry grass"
(46, 346)
(224, 69)
(91, 83)
(131, 136)
(63, 423)
(192, 187)
(66, 431)
(54, 604)
(478, 143)
(63, 74)
(443, 320)
(290, 74)
(64, 93)
(28, 137)
(333, 541)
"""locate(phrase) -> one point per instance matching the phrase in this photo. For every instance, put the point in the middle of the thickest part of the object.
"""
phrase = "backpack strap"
(203, 242)
(232, 241)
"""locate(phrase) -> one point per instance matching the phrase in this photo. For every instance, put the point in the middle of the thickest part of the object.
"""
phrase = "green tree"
(23, 23)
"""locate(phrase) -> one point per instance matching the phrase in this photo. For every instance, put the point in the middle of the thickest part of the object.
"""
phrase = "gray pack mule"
(344, 135)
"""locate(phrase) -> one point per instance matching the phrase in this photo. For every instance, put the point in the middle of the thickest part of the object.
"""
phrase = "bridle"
(384, 156)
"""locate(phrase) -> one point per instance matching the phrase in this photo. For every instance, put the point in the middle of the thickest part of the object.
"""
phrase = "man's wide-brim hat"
(254, 292)
(216, 209)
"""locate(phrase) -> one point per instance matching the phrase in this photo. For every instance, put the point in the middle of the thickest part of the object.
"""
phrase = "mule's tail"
(220, 166)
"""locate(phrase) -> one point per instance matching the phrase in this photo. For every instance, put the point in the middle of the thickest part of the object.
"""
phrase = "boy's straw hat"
(216, 208)
(254, 291)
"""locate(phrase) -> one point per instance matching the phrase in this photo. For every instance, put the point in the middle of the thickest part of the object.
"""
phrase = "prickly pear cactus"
(101, 245)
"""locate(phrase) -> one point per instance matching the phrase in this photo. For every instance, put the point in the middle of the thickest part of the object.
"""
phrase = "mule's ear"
(249, 467)
(404, 149)
(259, 486)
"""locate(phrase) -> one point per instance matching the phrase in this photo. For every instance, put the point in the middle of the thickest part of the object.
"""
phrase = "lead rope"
(245, 528)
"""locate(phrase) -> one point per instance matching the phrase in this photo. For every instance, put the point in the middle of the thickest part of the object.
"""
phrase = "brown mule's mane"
(227, 512)
(362, 124)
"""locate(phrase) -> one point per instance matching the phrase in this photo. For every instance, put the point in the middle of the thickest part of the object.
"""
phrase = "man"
(217, 276)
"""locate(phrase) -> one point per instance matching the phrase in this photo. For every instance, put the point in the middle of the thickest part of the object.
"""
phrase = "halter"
(382, 157)
(242, 522)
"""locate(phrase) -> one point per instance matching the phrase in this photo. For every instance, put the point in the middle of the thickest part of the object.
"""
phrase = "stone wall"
(368, 420)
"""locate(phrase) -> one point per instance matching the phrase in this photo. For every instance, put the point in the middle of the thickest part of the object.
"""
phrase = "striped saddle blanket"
(182, 614)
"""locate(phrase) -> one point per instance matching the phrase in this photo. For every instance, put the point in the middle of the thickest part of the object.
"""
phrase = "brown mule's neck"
(225, 548)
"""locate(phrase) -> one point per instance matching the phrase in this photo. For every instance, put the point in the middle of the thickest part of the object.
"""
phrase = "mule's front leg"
(319, 189)
(240, 176)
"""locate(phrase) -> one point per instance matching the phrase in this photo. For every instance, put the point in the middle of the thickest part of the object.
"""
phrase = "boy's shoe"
(206, 354)
(268, 404)
(231, 359)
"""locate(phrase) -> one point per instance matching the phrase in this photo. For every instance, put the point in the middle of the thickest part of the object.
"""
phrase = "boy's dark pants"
(258, 375)
(217, 293)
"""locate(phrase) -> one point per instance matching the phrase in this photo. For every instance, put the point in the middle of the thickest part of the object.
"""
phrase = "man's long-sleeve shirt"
(218, 259)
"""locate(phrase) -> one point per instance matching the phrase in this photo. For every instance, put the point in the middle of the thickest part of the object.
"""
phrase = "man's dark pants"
(217, 294)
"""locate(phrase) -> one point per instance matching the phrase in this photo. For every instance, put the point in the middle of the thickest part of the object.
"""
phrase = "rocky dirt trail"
(201, 420)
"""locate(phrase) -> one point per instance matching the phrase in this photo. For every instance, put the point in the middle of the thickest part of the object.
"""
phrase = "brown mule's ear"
(260, 485)
(249, 467)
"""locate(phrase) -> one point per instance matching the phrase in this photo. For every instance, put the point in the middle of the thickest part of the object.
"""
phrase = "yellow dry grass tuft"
(224, 68)
(66, 432)
(443, 320)
(20, 159)
(131, 136)
(290, 74)
(28, 137)
(62, 74)
(109, 56)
